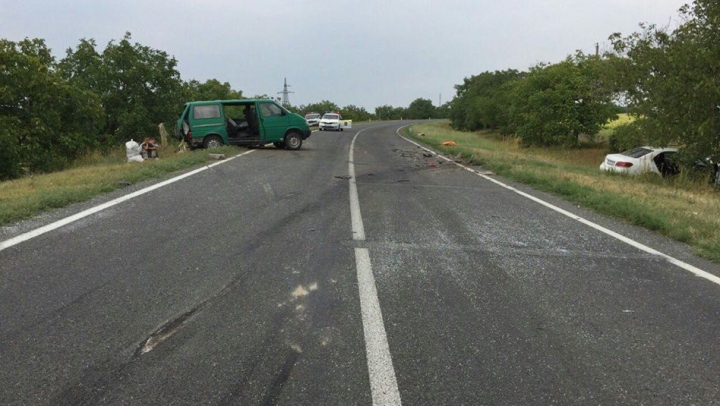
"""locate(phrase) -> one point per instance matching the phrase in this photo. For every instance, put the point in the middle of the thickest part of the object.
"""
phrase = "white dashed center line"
(383, 383)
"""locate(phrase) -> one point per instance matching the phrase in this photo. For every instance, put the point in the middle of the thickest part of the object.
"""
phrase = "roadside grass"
(90, 176)
(683, 208)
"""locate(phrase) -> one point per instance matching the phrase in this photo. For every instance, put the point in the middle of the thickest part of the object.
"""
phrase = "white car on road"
(312, 119)
(331, 121)
(642, 159)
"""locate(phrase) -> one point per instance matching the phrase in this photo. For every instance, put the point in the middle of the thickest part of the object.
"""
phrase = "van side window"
(270, 109)
(211, 111)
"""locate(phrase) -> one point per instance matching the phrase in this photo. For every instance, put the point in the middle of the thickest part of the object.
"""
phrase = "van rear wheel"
(293, 141)
(212, 141)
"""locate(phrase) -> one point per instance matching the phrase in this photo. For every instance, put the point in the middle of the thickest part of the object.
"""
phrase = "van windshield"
(331, 116)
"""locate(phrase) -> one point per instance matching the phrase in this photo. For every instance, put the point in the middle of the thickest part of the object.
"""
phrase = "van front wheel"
(212, 141)
(293, 141)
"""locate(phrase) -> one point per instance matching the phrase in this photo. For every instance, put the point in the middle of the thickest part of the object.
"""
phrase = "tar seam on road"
(684, 265)
(71, 219)
(383, 383)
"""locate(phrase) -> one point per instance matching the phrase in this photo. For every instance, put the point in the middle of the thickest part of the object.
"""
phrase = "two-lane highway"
(272, 278)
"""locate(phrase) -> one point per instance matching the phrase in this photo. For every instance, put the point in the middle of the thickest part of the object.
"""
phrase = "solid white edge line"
(695, 270)
(383, 383)
(71, 219)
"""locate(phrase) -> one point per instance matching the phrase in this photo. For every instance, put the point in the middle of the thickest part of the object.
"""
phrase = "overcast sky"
(365, 53)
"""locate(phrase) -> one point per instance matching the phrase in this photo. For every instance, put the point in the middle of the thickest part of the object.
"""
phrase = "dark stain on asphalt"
(273, 394)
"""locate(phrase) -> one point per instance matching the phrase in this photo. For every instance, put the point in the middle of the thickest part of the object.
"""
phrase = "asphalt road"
(272, 278)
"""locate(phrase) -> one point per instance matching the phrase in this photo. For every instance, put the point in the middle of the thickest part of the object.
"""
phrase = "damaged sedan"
(642, 160)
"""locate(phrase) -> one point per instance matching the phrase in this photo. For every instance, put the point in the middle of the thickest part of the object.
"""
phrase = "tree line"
(551, 104)
(419, 109)
(54, 111)
(667, 80)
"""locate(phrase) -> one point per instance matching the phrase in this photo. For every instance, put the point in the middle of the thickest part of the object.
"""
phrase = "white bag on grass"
(132, 150)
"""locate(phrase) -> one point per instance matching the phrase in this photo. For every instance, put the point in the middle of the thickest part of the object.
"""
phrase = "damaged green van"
(250, 123)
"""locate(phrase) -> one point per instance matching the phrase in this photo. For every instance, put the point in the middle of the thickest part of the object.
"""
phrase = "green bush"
(9, 154)
(625, 137)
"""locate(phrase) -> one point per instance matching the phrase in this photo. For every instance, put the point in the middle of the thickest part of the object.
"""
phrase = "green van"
(251, 123)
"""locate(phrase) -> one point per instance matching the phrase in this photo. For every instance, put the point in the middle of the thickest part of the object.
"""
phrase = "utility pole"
(285, 93)
(597, 49)
(440, 100)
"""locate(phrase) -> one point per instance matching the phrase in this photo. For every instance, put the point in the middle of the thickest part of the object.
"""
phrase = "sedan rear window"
(636, 152)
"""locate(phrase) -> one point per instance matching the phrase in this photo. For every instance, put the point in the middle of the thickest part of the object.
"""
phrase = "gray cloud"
(367, 53)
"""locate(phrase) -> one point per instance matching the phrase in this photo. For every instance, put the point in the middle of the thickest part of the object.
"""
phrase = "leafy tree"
(388, 112)
(138, 86)
(420, 109)
(44, 121)
(83, 66)
(444, 110)
(321, 108)
(399, 113)
(10, 154)
(355, 113)
(483, 101)
(385, 113)
(671, 81)
(212, 89)
(554, 104)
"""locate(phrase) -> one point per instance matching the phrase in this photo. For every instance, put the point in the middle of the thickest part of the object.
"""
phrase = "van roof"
(235, 101)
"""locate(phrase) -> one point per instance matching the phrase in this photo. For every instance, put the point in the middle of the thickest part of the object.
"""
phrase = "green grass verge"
(680, 208)
(27, 197)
